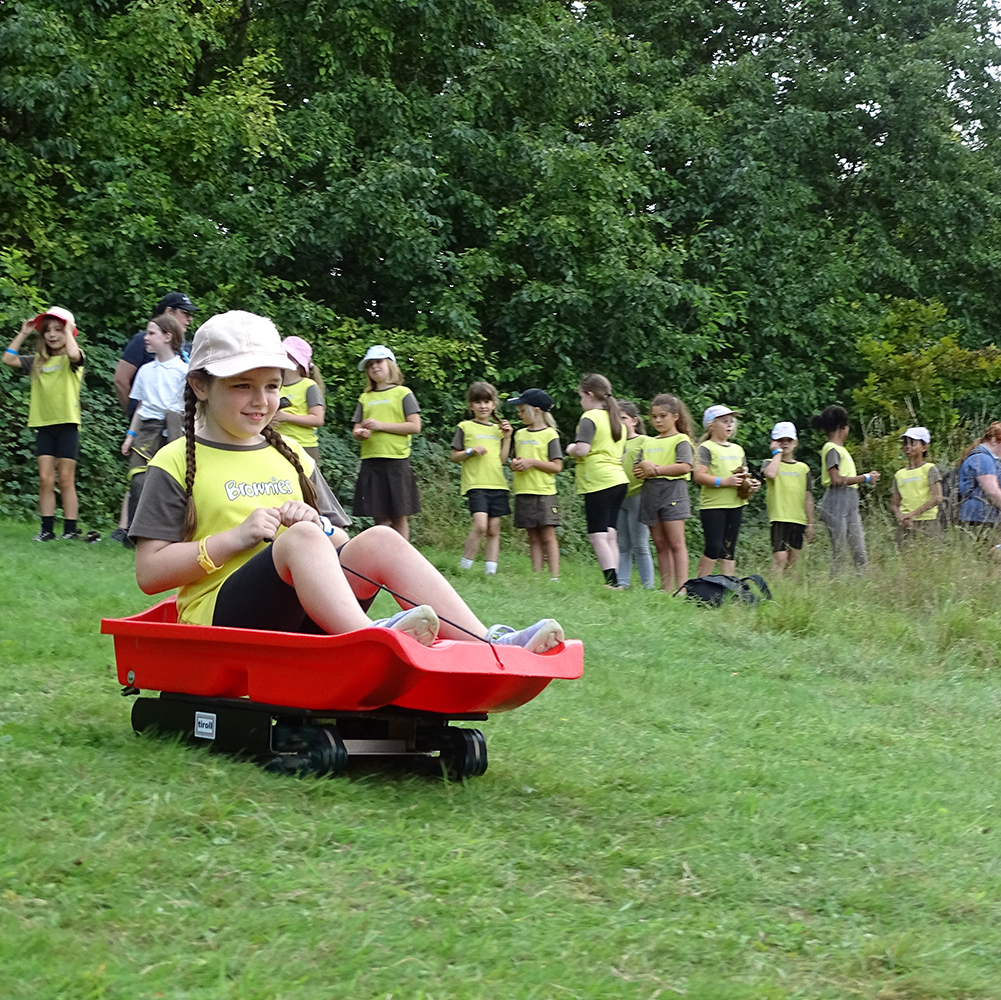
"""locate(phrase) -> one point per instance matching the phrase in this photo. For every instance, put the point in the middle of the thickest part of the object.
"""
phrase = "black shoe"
(119, 535)
(69, 536)
(45, 536)
(92, 537)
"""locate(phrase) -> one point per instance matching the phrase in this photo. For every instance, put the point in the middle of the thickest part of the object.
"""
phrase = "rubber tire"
(465, 755)
(307, 751)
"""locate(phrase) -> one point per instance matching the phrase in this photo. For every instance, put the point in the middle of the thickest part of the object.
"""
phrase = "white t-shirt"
(159, 387)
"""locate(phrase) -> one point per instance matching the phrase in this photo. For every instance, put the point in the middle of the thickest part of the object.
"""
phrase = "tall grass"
(797, 799)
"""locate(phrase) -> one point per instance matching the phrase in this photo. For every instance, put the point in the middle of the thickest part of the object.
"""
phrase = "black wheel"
(465, 754)
(307, 751)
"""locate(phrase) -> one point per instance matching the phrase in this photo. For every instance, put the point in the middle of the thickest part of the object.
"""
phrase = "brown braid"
(281, 445)
(191, 515)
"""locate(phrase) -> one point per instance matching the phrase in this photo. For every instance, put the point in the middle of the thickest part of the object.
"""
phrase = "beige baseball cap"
(233, 342)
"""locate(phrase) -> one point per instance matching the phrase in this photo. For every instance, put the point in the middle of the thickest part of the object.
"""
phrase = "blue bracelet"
(131, 433)
(718, 480)
(8, 350)
(776, 451)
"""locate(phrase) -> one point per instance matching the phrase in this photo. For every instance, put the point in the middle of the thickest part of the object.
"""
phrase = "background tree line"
(776, 205)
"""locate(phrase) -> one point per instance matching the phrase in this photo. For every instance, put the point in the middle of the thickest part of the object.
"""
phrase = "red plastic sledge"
(356, 672)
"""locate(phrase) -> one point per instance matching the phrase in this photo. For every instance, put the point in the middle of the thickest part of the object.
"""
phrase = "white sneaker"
(544, 635)
(420, 623)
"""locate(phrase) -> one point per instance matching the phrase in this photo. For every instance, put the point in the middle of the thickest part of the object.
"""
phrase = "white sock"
(465, 563)
(491, 568)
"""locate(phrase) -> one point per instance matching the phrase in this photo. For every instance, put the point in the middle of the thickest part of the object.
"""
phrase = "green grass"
(797, 800)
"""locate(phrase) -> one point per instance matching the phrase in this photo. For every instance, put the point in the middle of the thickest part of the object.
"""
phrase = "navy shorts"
(493, 503)
(59, 441)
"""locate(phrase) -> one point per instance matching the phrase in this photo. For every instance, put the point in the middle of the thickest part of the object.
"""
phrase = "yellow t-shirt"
(386, 406)
(723, 461)
(630, 456)
(786, 496)
(846, 464)
(535, 444)
(914, 487)
(230, 484)
(55, 390)
(601, 468)
(664, 451)
(481, 472)
(299, 395)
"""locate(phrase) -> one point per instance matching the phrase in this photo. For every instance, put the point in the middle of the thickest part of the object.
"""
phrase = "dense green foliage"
(716, 199)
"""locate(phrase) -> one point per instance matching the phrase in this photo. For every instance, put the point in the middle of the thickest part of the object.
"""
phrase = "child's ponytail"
(190, 405)
(281, 446)
(314, 374)
(599, 387)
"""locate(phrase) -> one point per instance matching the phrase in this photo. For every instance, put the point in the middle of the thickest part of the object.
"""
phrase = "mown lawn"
(797, 800)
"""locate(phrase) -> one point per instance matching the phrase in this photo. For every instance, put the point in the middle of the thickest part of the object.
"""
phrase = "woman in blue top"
(979, 492)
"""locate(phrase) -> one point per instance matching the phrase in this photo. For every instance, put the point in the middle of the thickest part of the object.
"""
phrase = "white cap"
(784, 429)
(233, 342)
(918, 434)
(377, 352)
(715, 412)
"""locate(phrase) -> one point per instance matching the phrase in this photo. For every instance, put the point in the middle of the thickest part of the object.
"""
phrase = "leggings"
(634, 542)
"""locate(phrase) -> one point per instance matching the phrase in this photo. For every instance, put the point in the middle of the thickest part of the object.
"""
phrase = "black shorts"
(493, 503)
(602, 508)
(58, 440)
(721, 525)
(787, 535)
(255, 596)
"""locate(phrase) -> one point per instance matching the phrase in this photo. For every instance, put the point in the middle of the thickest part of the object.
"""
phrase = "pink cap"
(299, 351)
(59, 313)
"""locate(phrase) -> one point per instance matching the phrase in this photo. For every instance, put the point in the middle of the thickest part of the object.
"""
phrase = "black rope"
(412, 603)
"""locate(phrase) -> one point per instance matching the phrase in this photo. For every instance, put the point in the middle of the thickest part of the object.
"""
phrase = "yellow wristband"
(204, 560)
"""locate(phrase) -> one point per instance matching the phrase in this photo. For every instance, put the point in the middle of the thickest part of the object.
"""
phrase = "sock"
(491, 568)
(69, 524)
(48, 522)
(465, 563)
(611, 577)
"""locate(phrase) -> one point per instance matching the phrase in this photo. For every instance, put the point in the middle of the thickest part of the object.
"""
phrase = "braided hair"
(270, 435)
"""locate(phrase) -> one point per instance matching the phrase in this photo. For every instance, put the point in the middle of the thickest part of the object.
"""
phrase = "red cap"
(64, 314)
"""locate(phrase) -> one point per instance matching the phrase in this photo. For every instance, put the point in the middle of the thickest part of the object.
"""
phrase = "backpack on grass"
(714, 590)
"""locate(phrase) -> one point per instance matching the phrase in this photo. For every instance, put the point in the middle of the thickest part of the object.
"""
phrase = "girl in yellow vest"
(598, 446)
(839, 506)
(665, 470)
(917, 490)
(303, 408)
(632, 535)
(789, 498)
(482, 446)
(56, 371)
(721, 469)
(538, 458)
(241, 521)
(386, 417)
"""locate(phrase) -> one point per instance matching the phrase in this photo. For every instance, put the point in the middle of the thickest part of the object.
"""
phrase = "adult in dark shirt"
(176, 304)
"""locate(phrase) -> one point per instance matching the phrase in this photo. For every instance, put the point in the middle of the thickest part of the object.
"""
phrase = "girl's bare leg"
(706, 566)
(382, 555)
(535, 548)
(779, 561)
(552, 546)
(606, 548)
(46, 485)
(665, 557)
(728, 567)
(475, 536)
(493, 540)
(678, 548)
(401, 525)
(67, 487)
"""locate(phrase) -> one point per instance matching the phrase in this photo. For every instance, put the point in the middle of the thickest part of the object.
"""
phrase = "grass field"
(796, 800)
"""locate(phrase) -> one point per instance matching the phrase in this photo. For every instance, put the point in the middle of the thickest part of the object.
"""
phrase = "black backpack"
(714, 590)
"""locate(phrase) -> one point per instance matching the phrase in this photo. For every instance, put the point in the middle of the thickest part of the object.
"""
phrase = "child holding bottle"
(721, 471)
(386, 417)
(536, 461)
(789, 497)
(482, 446)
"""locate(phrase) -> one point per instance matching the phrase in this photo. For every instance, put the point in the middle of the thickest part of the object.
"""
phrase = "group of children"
(634, 485)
